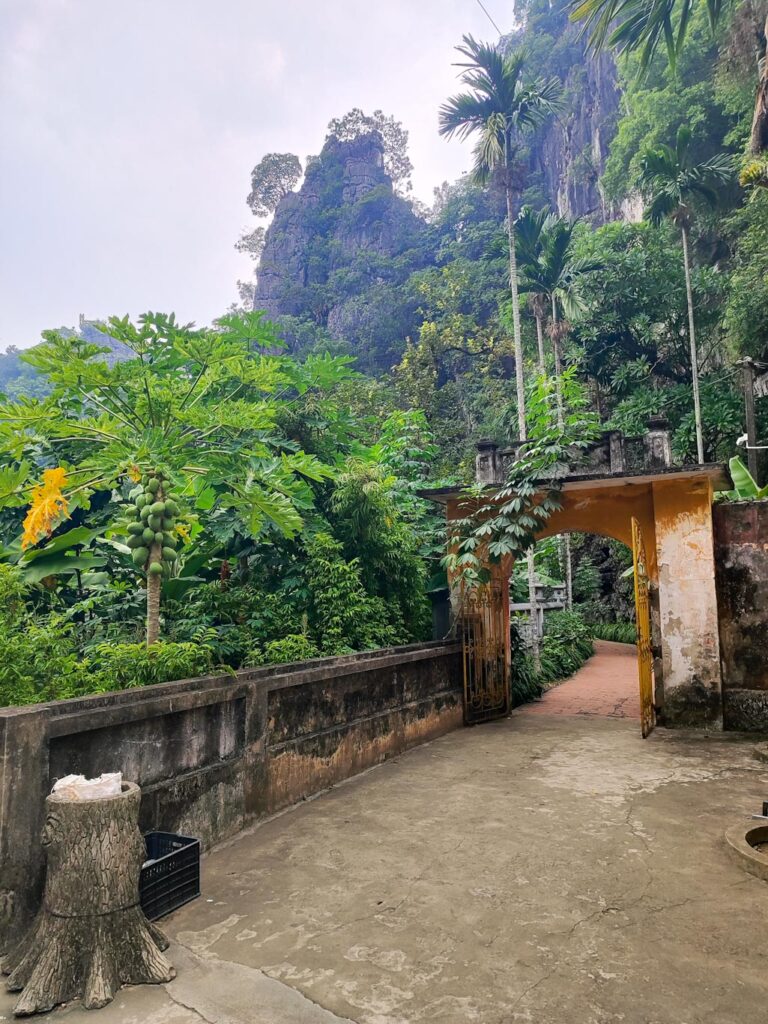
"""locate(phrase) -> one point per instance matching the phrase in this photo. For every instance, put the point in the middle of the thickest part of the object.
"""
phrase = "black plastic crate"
(173, 876)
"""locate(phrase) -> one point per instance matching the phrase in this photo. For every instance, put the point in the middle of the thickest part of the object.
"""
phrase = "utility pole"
(748, 380)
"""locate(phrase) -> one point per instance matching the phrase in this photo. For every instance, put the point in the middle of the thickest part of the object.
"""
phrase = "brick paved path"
(606, 687)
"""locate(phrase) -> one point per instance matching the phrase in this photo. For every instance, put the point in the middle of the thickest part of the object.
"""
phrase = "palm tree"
(500, 105)
(672, 182)
(553, 277)
(529, 226)
(647, 25)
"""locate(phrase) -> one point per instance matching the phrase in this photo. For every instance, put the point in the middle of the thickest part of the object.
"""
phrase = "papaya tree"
(182, 423)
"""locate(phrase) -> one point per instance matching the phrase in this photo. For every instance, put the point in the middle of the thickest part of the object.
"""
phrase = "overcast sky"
(128, 130)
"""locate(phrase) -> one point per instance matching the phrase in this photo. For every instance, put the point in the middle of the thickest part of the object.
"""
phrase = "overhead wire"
(484, 9)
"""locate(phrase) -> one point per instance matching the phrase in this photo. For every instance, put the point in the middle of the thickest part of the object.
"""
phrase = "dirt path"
(605, 687)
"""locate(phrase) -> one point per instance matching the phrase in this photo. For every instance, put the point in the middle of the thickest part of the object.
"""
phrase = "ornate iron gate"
(486, 669)
(643, 613)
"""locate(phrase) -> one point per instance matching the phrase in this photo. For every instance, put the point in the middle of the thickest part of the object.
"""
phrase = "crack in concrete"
(186, 1006)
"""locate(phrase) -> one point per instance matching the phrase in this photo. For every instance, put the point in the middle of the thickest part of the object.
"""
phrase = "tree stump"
(90, 936)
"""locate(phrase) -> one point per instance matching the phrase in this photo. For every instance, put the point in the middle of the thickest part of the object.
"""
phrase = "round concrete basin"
(748, 843)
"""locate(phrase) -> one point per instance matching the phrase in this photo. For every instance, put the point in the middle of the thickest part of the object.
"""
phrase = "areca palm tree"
(529, 226)
(672, 183)
(501, 103)
(553, 277)
(647, 25)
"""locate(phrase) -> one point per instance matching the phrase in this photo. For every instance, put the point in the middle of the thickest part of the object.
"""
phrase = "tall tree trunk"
(758, 141)
(540, 343)
(694, 353)
(154, 586)
(558, 363)
(565, 547)
(516, 329)
(520, 382)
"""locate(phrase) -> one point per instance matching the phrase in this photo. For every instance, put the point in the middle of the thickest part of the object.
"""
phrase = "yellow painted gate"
(484, 623)
(643, 612)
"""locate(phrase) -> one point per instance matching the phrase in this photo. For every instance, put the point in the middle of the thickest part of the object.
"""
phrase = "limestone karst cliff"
(339, 247)
(567, 157)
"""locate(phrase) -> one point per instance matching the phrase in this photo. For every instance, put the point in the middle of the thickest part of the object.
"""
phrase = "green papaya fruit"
(157, 508)
(169, 554)
(134, 542)
(148, 535)
(135, 527)
(155, 569)
(155, 523)
(140, 555)
(171, 508)
(158, 537)
(169, 541)
(153, 485)
(144, 514)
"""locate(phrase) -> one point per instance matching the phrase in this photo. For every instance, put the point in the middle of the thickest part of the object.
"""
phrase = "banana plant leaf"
(60, 565)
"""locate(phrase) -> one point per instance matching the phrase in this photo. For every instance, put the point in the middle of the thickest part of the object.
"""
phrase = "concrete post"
(658, 447)
(23, 787)
(486, 468)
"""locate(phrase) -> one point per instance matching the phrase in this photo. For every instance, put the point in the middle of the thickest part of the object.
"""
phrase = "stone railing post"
(486, 463)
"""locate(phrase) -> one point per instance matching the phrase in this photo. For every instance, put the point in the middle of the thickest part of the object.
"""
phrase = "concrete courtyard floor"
(553, 869)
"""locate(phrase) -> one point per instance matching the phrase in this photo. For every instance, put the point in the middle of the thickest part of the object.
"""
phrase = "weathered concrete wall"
(216, 753)
(690, 646)
(741, 549)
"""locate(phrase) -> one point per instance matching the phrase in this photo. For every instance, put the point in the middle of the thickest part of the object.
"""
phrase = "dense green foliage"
(295, 528)
(619, 632)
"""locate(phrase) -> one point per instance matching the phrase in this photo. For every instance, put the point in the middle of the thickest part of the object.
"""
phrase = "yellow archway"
(674, 510)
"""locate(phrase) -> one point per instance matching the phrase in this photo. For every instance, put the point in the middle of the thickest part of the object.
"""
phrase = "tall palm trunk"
(558, 363)
(516, 328)
(154, 584)
(694, 353)
(540, 340)
(520, 383)
(565, 547)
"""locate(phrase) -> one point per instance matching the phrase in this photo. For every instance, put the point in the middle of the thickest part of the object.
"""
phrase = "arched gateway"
(628, 489)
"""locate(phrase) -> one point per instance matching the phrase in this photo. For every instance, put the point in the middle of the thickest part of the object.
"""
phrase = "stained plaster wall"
(741, 549)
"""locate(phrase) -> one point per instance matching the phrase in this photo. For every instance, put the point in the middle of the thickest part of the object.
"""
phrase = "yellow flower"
(47, 507)
(183, 531)
(134, 473)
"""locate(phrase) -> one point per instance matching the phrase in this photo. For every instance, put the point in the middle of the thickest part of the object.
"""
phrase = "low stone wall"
(216, 753)
(741, 561)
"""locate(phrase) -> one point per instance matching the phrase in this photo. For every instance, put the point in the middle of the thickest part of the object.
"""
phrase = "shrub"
(294, 647)
(38, 656)
(564, 648)
(122, 666)
(619, 632)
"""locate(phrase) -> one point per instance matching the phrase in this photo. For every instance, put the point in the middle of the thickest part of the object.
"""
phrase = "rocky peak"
(346, 204)
(568, 156)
